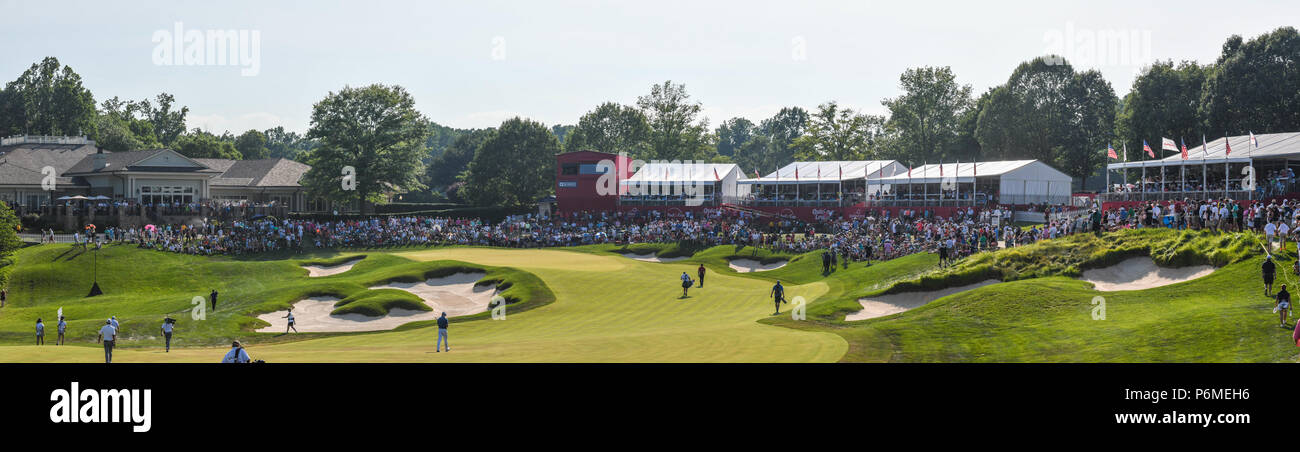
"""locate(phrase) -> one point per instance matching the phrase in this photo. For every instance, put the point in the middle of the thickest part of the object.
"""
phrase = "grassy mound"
(1042, 314)
(142, 286)
(1070, 255)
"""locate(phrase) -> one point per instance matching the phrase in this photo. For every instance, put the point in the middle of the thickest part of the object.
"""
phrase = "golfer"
(1270, 229)
(236, 354)
(4, 296)
(701, 272)
(686, 283)
(108, 336)
(1282, 306)
(778, 296)
(213, 296)
(63, 328)
(40, 332)
(167, 332)
(1269, 269)
(442, 333)
(290, 317)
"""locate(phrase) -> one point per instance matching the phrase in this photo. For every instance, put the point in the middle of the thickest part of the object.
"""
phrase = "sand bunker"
(751, 265)
(1141, 273)
(317, 271)
(455, 294)
(895, 303)
(653, 258)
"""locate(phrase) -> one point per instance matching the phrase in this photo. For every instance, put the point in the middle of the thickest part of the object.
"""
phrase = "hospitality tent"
(1209, 170)
(820, 183)
(673, 183)
(1005, 182)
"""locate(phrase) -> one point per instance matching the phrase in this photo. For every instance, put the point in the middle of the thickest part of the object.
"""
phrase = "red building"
(576, 177)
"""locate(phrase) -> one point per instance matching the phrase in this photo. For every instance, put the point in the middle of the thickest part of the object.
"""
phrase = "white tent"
(1017, 181)
(669, 179)
(828, 172)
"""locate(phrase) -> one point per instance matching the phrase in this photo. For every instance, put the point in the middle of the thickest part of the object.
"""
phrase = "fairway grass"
(607, 309)
(594, 304)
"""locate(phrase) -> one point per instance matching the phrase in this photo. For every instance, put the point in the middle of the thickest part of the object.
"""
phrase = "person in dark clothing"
(701, 273)
(826, 263)
(1269, 269)
(778, 296)
(213, 297)
(1282, 306)
(442, 333)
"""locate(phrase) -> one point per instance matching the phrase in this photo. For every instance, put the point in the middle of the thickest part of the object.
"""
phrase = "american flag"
(1147, 147)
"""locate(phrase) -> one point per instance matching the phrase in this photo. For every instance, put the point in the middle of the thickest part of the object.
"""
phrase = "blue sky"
(474, 64)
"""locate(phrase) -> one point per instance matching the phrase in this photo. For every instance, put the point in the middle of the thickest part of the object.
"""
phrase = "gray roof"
(37, 156)
(21, 165)
(263, 173)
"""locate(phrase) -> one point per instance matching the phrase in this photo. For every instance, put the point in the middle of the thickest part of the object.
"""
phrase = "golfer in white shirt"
(108, 335)
(1270, 229)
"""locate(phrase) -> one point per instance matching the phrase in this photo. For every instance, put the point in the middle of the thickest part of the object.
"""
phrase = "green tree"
(448, 166)
(1164, 102)
(47, 99)
(836, 133)
(611, 128)
(376, 131)
(676, 132)
(252, 145)
(781, 130)
(201, 144)
(168, 123)
(1253, 85)
(926, 120)
(289, 145)
(733, 133)
(562, 132)
(1049, 112)
(756, 155)
(9, 242)
(514, 167)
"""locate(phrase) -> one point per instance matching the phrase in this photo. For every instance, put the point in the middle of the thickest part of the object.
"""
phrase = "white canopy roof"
(966, 172)
(1271, 146)
(824, 172)
(667, 173)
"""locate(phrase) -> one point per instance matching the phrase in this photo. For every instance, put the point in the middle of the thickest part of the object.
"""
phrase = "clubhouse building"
(37, 172)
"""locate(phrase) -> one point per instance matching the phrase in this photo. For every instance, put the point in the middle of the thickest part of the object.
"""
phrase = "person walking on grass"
(236, 355)
(1282, 306)
(778, 296)
(40, 332)
(108, 336)
(1269, 269)
(4, 296)
(213, 296)
(442, 333)
(290, 317)
(686, 283)
(167, 326)
(63, 328)
(701, 272)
